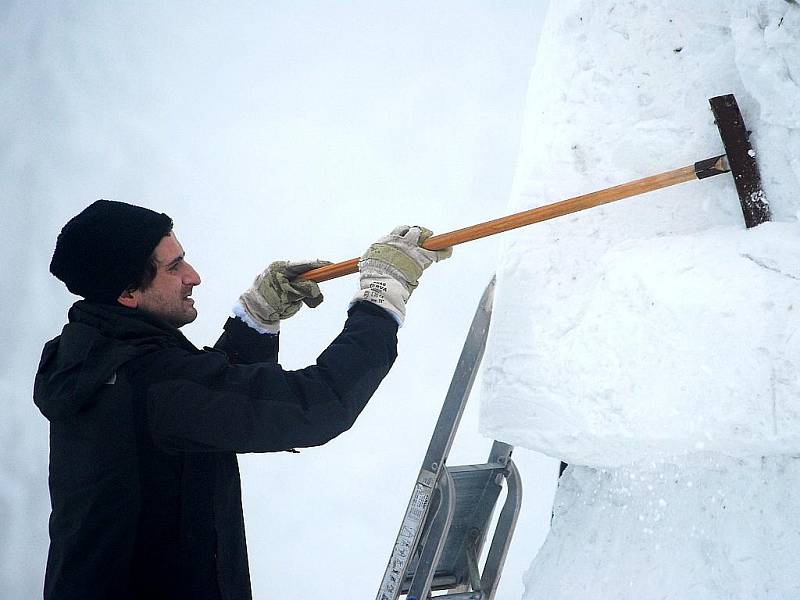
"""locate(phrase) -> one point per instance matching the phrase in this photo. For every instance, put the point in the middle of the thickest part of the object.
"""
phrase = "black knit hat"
(104, 250)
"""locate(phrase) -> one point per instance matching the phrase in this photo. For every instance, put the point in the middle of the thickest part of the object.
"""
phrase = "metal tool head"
(741, 158)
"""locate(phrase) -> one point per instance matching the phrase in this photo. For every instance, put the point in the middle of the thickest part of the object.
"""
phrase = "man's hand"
(391, 267)
(275, 295)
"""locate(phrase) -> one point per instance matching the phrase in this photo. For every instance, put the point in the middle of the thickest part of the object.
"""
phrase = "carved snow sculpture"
(653, 343)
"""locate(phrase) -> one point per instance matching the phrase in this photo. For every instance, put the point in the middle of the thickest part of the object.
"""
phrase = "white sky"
(268, 130)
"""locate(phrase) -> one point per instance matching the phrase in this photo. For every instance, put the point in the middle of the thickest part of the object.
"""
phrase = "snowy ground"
(652, 342)
(267, 130)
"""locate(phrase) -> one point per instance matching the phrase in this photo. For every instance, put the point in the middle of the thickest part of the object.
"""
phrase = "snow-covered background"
(267, 130)
(652, 343)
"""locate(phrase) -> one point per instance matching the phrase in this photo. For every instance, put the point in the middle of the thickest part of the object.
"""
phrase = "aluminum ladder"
(446, 523)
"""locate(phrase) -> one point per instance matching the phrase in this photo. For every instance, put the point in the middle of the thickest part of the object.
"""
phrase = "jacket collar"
(128, 325)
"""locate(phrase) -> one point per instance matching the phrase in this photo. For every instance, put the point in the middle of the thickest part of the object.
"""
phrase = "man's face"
(167, 296)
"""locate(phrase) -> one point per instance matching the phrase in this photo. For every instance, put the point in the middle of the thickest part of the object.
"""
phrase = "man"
(145, 427)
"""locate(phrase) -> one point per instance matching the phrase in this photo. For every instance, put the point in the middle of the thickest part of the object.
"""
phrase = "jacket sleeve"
(244, 345)
(203, 402)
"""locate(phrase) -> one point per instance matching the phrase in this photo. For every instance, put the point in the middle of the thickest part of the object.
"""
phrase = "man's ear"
(129, 298)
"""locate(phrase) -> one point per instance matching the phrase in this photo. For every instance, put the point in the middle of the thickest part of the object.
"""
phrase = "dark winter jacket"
(144, 431)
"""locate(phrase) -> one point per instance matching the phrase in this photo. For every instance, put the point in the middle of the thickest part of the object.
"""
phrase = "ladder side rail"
(422, 581)
(472, 550)
(501, 540)
(408, 537)
(461, 383)
(499, 457)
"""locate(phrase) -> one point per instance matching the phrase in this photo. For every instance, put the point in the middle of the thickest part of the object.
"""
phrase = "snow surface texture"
(687, 344)
(656, 325)
(651, 343)
(698, 532)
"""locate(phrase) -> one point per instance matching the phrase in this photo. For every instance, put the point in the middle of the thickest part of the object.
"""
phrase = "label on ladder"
(409, 530)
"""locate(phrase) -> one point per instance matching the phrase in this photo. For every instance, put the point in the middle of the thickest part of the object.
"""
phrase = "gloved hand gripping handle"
(348, 267)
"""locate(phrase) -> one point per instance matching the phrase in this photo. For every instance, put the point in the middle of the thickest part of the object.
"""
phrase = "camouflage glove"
(275, 296)
(391, 267)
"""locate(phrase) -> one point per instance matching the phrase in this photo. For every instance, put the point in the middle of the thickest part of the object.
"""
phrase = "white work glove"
(391, 267)
(275, 295)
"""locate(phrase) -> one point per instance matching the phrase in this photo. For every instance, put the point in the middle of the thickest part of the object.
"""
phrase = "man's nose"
(191, 277)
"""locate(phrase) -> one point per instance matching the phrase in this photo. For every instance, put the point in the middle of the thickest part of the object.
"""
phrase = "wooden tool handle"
(521, 219)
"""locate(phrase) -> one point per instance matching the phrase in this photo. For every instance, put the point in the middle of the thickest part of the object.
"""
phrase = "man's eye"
(174, 266)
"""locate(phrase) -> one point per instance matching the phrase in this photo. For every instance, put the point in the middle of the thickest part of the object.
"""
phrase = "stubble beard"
(177, 313)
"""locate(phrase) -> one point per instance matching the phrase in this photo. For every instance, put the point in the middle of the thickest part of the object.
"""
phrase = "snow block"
(710, 529)
(673, 345)
(654, 326)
